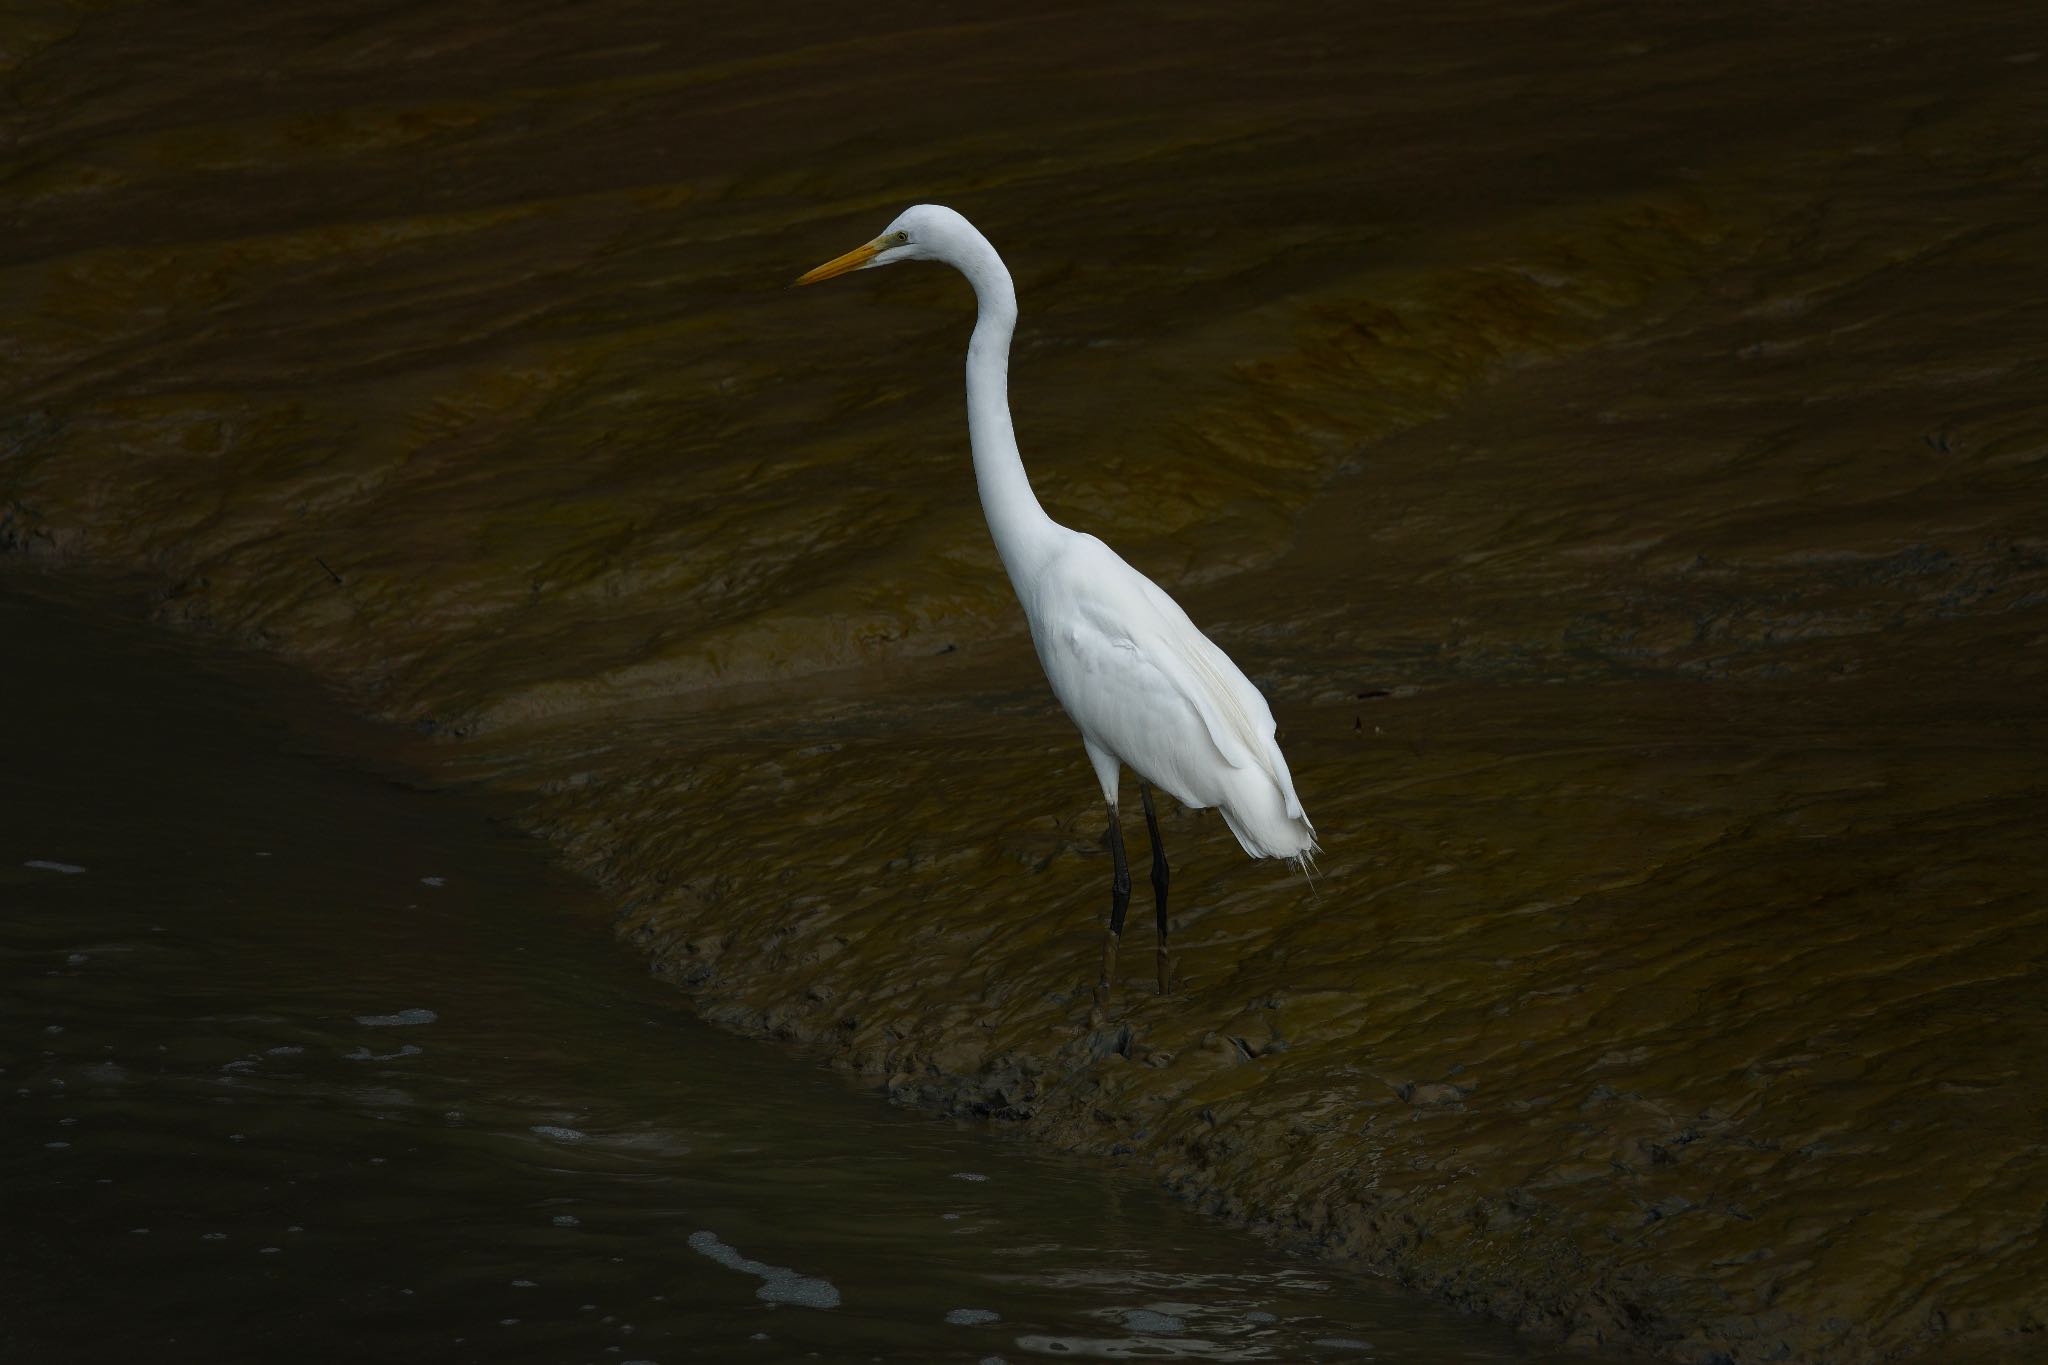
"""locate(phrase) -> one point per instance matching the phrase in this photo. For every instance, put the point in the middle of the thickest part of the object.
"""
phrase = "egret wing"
(1164, 647)
(1239, 721)
(1109, 637)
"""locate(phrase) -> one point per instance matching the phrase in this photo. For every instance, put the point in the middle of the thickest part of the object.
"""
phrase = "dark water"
(306, 1063)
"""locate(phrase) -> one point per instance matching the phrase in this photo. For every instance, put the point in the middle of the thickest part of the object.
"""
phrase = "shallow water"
(300, 1062)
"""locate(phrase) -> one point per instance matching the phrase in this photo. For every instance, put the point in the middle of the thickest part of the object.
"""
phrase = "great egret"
(1145, 687)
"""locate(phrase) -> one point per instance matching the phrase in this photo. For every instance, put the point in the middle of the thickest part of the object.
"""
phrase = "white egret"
(1145, 687)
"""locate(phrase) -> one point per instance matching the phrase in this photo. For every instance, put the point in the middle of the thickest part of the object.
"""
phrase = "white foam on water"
(398, 1020)
(971, 1317)
(1146, 1320)
(969, 1175)
(363, 1054)
(549, 1130)
(779, 1284)
(433, 881)
(44, 864)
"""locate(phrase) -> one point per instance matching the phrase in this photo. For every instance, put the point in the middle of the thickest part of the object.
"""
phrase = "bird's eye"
(902, 236)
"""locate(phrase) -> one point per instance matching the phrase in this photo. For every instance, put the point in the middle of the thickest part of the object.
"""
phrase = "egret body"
(1145, 686)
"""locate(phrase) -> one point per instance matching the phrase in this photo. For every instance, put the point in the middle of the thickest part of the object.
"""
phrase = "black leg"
(1159, 880)
(1119, 902)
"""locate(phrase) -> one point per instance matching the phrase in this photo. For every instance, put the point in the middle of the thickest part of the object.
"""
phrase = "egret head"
(923, 232)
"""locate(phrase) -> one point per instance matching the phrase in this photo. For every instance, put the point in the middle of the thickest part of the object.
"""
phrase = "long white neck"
(1023, 533)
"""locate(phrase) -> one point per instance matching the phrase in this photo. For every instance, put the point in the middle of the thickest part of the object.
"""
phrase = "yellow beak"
(839, 265)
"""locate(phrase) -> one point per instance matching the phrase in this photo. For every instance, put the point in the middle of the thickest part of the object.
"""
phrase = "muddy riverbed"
(305, 1060)
(1613, 439)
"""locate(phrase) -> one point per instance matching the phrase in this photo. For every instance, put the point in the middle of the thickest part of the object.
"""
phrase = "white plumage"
(1146, 688)
(1149, 689)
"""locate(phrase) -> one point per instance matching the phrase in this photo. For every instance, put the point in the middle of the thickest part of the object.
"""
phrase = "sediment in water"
(1628, 494)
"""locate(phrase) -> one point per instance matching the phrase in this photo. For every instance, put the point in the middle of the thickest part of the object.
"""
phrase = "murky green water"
(301, 1063)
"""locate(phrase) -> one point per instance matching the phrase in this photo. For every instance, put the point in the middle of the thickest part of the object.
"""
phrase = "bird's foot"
(1165, 972)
